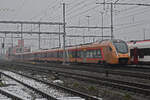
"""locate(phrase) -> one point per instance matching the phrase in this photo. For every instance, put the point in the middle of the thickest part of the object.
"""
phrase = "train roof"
(139, 44)
(81, 46)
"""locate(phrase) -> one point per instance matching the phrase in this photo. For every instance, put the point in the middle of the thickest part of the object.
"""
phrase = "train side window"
(84, 54)
(50, 54)
(99, 54)
(141, 53)
(81, 54)
(61, 54)
(91, 54)
(78, 54)
(146, 51)
(88, 54)
(58, 54)
(53, 53)
(39, 55)
(94, 53)
(75, 54)
(72, 53)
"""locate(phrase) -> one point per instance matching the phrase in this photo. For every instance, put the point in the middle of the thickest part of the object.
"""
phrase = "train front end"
(122, 51)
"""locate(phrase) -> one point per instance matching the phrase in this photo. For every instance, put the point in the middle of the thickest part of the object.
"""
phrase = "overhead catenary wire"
(80, 7)
(20, 8)
(82, 12)
(75, 5)
(53, 4)
(136, 13)
(73, 13)
(134, 24)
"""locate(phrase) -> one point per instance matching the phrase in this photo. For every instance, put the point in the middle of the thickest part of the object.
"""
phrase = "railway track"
(139, 68)
(112, 70)
(124, 85)
(133, 87)
(43, 94)
(68, 91)
(6, 95)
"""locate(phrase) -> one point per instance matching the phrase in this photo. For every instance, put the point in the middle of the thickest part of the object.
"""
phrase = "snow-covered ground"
(18, 89)
(2, 97)
(21, 90)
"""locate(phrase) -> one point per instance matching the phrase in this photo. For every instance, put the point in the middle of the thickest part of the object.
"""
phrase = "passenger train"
(140, 51)
(105, 52)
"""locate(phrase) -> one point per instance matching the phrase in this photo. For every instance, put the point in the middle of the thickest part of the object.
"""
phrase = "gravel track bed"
(18, 89)
(132, 68)
(3, 97)
(102, 89)
(94, 70)
(107, 93)
(43, 87)
(102, 75)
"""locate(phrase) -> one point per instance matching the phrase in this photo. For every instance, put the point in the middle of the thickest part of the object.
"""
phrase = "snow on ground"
(2, 97)
(18, 89)
(43, 87)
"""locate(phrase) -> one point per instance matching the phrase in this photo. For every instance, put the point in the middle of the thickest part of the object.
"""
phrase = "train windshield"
(121, 47)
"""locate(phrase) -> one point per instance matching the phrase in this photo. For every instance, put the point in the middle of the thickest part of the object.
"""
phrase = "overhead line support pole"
(102, 14)
(21, 41)
(64, 35)
(39, 37)
(112, 21)
(138, 4)
(59, 38)
(12, 39)
(21, 38)
(4, 45)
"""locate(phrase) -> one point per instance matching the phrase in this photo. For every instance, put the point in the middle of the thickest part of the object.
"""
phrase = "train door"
(108, 54)
(67, 55)
(135, 56)
(76, 55)
(84, 55)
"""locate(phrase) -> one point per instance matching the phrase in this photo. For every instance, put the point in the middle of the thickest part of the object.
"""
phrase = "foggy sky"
(130, 22)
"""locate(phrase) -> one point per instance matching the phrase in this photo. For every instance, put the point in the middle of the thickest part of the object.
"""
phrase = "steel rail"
(10, 95)
(74, 92)
(134, 87)
(138, 72)
(45, 95)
